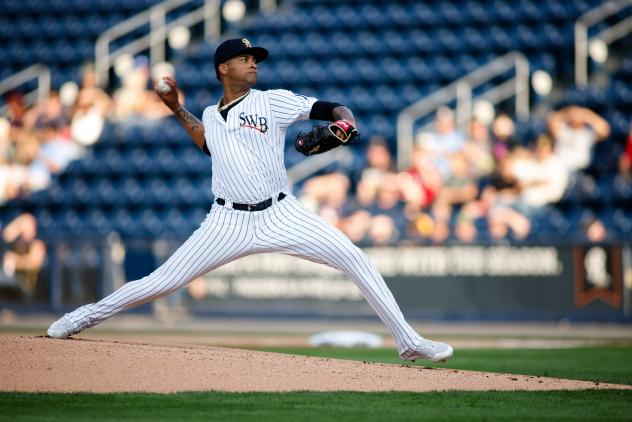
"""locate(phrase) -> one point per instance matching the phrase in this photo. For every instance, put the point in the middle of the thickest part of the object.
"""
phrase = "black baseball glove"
(323, 138)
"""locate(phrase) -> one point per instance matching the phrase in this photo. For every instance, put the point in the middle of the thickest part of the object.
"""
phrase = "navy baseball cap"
(234, 47)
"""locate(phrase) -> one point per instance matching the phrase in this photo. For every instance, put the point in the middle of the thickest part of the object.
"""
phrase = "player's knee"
(353, 254)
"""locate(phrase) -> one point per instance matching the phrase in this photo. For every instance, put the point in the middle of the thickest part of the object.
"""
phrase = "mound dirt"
(40, 364)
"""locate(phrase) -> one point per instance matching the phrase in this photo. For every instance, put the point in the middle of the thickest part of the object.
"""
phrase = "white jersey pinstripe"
(248, 148)
(248, 168)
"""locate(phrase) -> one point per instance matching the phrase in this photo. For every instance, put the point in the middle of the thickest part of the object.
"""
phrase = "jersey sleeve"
(287, 107)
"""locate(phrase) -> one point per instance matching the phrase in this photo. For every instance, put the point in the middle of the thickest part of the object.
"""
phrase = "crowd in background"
(39, 141)
(481, 183)
(464, 187)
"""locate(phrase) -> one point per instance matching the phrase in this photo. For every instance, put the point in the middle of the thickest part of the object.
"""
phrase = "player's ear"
(223, 68)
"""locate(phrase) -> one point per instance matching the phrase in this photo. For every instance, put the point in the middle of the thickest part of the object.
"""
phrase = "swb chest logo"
(253, 121)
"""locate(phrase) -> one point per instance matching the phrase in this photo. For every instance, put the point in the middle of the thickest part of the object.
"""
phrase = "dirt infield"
(40, 364)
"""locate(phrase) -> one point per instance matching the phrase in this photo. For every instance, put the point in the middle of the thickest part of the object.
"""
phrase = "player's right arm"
(189, 122)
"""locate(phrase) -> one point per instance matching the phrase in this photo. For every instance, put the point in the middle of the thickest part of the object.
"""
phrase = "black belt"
(252, 207)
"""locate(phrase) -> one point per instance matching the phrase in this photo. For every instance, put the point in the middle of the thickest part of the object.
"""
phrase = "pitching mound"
(31, 363)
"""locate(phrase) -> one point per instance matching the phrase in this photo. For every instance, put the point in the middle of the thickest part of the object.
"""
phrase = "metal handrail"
(39, 71)
(307, 167)
(461, 90)
(159, 30)
(607, 35)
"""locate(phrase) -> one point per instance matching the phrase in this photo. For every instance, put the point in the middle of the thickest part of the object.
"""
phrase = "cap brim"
(258, 53)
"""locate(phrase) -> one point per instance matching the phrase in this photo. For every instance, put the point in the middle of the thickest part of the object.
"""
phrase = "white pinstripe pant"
(227, 234)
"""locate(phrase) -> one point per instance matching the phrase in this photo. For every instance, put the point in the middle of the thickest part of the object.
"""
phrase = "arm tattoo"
(189, 120)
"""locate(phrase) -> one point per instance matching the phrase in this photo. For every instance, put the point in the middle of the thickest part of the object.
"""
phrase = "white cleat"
(434, 351)
(61, 329)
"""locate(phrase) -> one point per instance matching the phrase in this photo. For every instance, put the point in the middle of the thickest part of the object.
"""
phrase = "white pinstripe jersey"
(247, 150)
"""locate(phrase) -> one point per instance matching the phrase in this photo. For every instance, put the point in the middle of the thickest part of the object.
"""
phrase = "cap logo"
(246, 43)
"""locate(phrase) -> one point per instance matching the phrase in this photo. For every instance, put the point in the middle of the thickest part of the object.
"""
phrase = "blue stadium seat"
(399, 15)
(396, 42)
(424, 14)
(368, 71)
(160, 193)
(133, 193)
(421, 41)
(98, 222)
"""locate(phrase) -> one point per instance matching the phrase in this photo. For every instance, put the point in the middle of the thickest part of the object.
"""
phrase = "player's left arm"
(323, 138)
(343, 113)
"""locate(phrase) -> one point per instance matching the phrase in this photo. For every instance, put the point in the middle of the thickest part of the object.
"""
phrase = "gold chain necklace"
(225, 106)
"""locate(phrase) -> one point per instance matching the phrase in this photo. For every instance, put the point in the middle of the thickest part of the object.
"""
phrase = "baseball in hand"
(163, 87)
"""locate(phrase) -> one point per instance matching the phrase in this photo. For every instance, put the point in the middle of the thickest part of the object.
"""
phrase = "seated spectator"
(55, 152)
(419, 184)
(379, 162)
(625, 160)
(465, 230)
(130, 100)
(575, 130)
(90, 111)
(388, 198)
(542, 178)
(477, 150)
(48, 112)
(503, 140)
(327, 195)
(24, 254)
(459, 186)
(155, 108)
(356, 226)
(498, 203)
(135, 102)
(445, 139)
(504, 220)
(16, 109)
(383, 231)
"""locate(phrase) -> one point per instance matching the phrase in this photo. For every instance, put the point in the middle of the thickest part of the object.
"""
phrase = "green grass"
(604, 364)
(304, 406)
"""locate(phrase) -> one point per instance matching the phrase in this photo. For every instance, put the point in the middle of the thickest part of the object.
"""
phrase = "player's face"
(242, 69)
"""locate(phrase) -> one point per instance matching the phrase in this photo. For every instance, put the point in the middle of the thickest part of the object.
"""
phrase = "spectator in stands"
(498, 202)
(379, 162)
(327, 195)
(356, 226)
(383, 230)
(465, 230)
(542, 178)
(592, 229)
(135, 103)
(378, 155)
(12, 174)
(155, 108)
(503, 140)
(55, 152)
(24, 254)
(130, 100)
(459, 186)
(420, 183)
(625, 160)
(90, 110)
(575, 130)
(16, 109)
(47, 113)
(388, 198)
(477, 150)
(445, 139)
